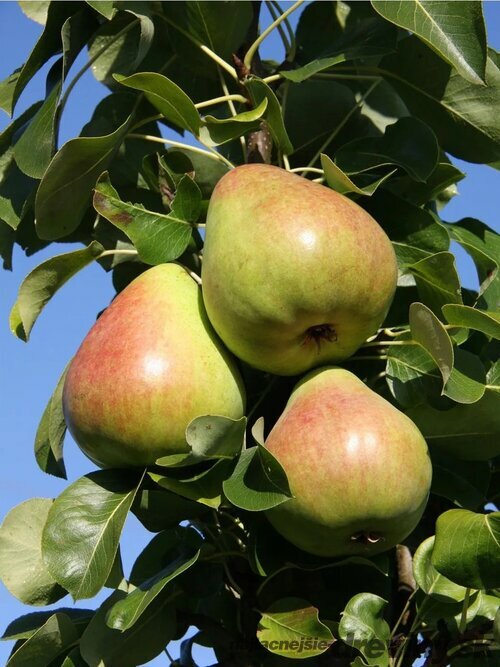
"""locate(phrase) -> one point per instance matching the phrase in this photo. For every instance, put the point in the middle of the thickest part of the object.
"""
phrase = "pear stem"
(253, 48)
(194, 276)
(286, 162)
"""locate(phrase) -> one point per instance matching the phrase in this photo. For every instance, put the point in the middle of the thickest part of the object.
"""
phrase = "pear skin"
(295, 275)
(150, 364)
(358, 468)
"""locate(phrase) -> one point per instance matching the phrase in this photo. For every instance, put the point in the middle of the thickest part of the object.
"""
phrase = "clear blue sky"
(29, 372)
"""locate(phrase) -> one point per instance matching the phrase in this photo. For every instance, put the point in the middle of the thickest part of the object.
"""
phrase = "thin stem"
(168, 655)
(253, 48)
(274, 16)
(318, 180)
(402, 615)
(145, 121)
(223, 98)
(232, 109)
(117, 251)
(346, 118)
(271, 78)
(312, 170)
(334, 75)
(178, 144)
(262, 397)
(223, 554)
(472, 642)
(291, 33)
(365, 357)
(286, 162)
(385, 343)
(463, 618)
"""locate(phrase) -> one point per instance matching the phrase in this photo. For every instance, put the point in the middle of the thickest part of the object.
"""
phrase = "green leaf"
(260, 91)
(7, 240)
(43, 282)
(341, 182)
(65, 190)
(167, 97)
(408, 143)
(444, 176)
(35, 9)
(465, 483)
(363, 627)
(472, 318)
(101, 645)
(46, 644)
(186, 204)
(158, 509)
(430, 580)
(126, 612)
(212, 436)
(87, 518)
(21, 567)
(412, 374)
(437, 280)
(467, 548)
(306, 71)
(74, 659)
(158, 237)
(469, 432)
(50, 434)
(430, 333)
(104, 7)
(217, 131)
(258, 481)
(467, 382)
(26, 626)
(204, 487)
(290, 627)
(462, 115)
(455, 32)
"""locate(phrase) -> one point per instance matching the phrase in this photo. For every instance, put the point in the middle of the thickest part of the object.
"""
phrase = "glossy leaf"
(65, 191)
(87, 518)
(43, 282)
(167, 97)
(467, 548)
(430, 580)
(258, 481)
(461, 114)
(22, 569)
(456, 33)
(412, 374)
(473, 318)
(25, 626)
(46, 644)
(260, 91)
(35, 9)
(50, 434)
(101, 645)
(157, 237)
(362, 625)
(408, 144)
(467, 382)
(341, 182)
(430, 333)
(218, 131)
(291, 628)
(186, 204)
(437, 280)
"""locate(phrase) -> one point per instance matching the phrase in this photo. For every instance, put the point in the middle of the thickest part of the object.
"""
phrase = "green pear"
(295, 275)
(149, 365)
(358, 468)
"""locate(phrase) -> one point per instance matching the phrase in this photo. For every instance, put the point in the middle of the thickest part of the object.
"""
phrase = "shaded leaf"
(104, 7)
(157, 237)
(430, 580)
(218, 131)
(437, 280)
(87, 518)
(467, 382)
(22, 569)
(467, 548)
(46, 644)
(50, 434)
(186, 204)
(260, 91)
(158, 509)
(26, 626)
(465, 483)
(43, 282)
(412, 374)
(456, 33)
(341, 182)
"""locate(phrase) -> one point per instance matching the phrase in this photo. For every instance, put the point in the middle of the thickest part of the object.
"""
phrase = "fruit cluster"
(295, 276)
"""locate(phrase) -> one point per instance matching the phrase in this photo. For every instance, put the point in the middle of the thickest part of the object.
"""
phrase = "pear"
(358, 468)
(149, 365)
(295, 275)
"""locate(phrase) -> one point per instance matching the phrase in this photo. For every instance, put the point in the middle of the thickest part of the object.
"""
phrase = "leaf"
(363, 627)
(217, 131)
(341, 182)
(74, 659)
(50, 434)
(158, 237)
(126, 612)
(258, 481)
(467, 548)
(260, 91)
(104, 7)
(472, 318)
(102, 646)
(465, 483)
(437, 280)
(204, 487)
(46, 644)
(456, 33)
(21, 567)
(461, 114)
(87, 518)
(186, 204)
(26, 626)
(291, 628)
(444, 176)
(468, 432)
(158, 509)
(43, 282)
(430, 580)
(430, 333)
(35, 9)
(412, 374)
(213, 436)
(65, 190)
(467, 382)
(7, 240)
(306, 71)
(408, 143)
(167, 97)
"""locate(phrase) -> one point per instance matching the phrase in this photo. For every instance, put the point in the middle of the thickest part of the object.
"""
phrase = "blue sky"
(29, 372)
